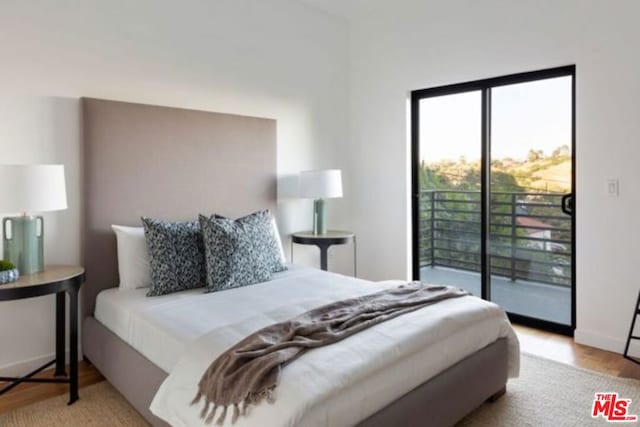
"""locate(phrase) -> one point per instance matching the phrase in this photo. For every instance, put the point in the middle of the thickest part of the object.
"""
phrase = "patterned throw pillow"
(237, 252)
(176, 255)
(267, 238)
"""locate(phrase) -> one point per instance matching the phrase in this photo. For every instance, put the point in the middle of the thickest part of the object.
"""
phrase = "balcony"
(529, 248)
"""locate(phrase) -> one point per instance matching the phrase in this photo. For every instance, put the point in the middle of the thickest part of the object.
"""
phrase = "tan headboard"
(166, 163)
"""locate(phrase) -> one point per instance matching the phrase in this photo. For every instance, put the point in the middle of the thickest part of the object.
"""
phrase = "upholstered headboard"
(167, 163)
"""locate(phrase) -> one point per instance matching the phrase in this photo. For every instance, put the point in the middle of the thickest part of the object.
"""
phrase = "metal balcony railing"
(530, 237)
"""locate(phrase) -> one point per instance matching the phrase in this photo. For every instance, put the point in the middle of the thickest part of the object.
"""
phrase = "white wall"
(278, 59)
(404, 45)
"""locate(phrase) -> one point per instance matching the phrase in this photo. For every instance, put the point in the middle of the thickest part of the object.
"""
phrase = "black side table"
(53, 280)
(324, 242)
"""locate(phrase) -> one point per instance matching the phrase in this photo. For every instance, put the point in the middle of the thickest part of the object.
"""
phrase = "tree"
(535, 155)
(563, 150)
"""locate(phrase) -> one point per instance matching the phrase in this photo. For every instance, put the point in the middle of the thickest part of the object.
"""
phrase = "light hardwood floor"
(533, 341)
(27, 393)
(564, 349)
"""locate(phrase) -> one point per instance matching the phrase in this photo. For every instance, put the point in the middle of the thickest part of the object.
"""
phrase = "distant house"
(538, 230)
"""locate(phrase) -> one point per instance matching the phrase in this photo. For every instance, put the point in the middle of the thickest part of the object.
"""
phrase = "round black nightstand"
(324, 242)
(53, 280)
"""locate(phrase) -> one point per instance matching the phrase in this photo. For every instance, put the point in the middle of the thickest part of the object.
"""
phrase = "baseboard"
(23, 367)
(599, 341)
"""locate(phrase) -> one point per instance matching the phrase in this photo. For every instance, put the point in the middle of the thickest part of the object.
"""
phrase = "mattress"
(161, 327)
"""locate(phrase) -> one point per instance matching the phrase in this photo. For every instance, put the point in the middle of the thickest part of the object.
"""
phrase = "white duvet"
(336, 385)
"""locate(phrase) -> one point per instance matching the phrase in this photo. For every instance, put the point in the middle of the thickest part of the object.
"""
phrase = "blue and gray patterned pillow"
(267, 239)
(240, 252)
(176, 255)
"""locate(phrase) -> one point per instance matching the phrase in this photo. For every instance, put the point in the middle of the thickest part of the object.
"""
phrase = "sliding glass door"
(493, 183)
(449, 190)
(531, 171)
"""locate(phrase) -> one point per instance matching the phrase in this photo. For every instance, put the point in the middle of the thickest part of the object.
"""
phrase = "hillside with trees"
(539, 172)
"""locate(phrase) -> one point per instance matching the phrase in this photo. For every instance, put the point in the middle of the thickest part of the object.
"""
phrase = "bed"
(223, 163)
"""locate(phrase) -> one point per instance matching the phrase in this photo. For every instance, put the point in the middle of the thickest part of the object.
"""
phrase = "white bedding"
(183, 333)
(160, 327)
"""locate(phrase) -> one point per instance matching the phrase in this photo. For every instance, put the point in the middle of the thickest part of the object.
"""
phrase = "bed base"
(129, 372)
(441, 401)
(448, 397)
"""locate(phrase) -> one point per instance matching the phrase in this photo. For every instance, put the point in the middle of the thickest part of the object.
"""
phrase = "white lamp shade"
(32, 188)
(321, 184)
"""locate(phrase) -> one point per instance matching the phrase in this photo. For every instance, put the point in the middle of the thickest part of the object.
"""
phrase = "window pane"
(531, 170)
(449, 190)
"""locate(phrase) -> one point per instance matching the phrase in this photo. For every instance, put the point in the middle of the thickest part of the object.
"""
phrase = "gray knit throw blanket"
(248, 372)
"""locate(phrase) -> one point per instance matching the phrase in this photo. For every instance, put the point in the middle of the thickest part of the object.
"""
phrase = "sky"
(534, 115)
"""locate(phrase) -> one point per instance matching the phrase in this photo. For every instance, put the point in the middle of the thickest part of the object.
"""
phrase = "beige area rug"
(546, 394)
(554, 394)
(100, 405)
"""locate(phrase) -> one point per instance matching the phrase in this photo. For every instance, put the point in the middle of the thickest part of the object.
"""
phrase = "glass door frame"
(485, 86)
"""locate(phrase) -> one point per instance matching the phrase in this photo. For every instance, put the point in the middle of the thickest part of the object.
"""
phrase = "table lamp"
(320, 185)
(29, 189)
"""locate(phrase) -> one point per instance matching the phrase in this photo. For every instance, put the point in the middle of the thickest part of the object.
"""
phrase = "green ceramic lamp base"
(23, 243)
(319, 216)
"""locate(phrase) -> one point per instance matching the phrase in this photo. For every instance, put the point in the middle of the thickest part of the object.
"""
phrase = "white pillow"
(133, 257)
(276, 232)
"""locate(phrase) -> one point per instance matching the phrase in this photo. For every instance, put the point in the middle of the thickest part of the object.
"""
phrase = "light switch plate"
(613, 188)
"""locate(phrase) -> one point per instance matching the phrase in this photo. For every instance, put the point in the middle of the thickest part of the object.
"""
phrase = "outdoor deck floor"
(547, 302)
